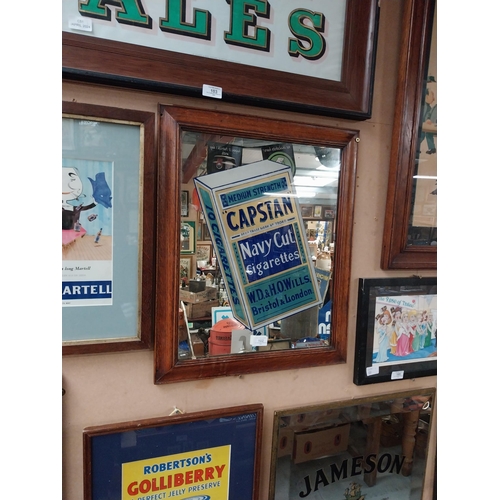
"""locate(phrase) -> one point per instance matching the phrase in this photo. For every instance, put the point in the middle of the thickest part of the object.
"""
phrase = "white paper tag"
(258, 340)
(397, 375)
(80, 23)
(211, 91)
(372, 370)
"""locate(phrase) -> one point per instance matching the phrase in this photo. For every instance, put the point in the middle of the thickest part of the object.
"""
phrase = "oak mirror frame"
(175, 123)
(397, 252)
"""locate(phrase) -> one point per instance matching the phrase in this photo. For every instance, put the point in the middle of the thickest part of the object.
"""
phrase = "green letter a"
(128, 12)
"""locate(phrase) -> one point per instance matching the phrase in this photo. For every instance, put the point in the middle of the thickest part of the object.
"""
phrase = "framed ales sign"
(261, 52)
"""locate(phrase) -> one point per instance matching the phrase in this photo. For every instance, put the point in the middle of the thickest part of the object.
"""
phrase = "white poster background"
(327, 67)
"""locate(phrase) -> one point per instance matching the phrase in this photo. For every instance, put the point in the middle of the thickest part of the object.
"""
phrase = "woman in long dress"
(415, 342)
(430, 325)
(396, 320)
(403, 344)
(422, 328)
(383, 330)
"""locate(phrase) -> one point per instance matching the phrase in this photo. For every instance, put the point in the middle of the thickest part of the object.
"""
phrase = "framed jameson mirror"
(256, 276)
(373, 447)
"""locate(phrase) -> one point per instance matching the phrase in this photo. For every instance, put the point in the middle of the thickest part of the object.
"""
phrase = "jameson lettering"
(244, 30)
(357, 466)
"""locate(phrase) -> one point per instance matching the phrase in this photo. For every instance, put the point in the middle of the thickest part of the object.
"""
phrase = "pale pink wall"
(108, 388)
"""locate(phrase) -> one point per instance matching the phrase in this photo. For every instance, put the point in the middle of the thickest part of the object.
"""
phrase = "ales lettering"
(305, 26)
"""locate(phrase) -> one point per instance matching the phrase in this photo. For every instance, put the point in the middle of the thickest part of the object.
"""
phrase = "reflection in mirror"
(363, 448)
(207, 327)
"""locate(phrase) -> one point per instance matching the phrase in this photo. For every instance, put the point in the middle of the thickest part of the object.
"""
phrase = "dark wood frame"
(147, 247)
(364, 332)
(85, 58)
(416, 33)
(307, 211)
(172, 120)
(90, 434)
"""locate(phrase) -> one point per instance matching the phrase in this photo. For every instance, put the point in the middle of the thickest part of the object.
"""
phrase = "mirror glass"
(207, 327)
(373, 448)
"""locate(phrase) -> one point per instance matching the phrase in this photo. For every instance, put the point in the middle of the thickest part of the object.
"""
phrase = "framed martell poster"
(203, 455)
(372, 448)
(262, 52)
(396, 331)
(108, 164)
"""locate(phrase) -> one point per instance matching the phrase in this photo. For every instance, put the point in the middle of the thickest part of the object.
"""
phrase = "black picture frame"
(409, 353)
(133, 459)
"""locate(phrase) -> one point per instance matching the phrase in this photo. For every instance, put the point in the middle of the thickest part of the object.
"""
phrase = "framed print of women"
(396, 334)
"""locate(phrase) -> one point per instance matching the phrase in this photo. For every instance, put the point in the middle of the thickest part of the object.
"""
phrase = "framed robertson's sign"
(261, 52)
(203, 455)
